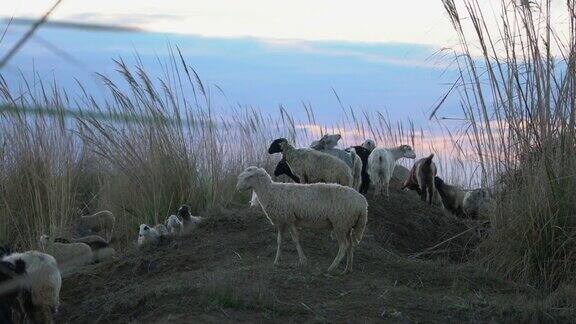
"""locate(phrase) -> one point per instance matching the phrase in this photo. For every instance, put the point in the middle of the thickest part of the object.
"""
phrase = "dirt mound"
(222, 272)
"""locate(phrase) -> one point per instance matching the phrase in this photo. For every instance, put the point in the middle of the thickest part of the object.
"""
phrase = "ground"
(223, 272)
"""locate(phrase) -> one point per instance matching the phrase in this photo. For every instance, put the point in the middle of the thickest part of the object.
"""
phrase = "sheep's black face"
(438, 182)
(281, 168)
(183, 211)
(275, 147)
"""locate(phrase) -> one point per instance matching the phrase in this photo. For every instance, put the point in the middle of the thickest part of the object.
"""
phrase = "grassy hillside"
(222, 272)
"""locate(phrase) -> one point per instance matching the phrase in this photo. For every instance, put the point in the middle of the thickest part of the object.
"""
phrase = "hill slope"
(222, 272)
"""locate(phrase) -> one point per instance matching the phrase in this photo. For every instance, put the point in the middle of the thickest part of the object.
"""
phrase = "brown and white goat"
(421, 178)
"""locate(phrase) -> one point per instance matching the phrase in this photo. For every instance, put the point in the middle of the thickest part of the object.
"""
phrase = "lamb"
(174, 224)
(188, 220)
(421, 178)
(452, 196)
(312, 166)
(42, 280)
(147, 235)
(102, 221)
(289, 206)
(381, 163)
(69, 256)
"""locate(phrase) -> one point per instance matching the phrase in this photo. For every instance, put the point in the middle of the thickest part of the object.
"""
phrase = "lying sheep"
(421, 178)
(42, 279)
(381, 163)
(101, 249)
(174, 224)
(102, 221)
(289, 206)
(189, 221)
(147, 235)
(452, 196)
(312, 166)
(69, 256)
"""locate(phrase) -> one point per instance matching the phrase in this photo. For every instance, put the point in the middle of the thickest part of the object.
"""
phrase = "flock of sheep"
(329, 188)
(30, 282)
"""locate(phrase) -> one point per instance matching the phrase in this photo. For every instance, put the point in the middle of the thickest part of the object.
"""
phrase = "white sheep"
(147, 235)
(102, 221)
(189, 221)
(381, 164)
(69, 256)
(174, 224)
(290, 205)
(43, 280)
(312, 166)
(327, 145)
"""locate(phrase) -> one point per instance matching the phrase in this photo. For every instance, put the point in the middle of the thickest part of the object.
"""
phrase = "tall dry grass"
(150, 145)
(517, 88)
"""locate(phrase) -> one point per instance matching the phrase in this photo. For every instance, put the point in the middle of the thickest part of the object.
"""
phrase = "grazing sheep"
(188, 220)
(381, 163)
(312, 166)
(421, 178)
(147, 235)
(101, 249)
(452, 196)
(43, 281)
(174, 224)
(289, 206)
(102, 221)
(69, 256)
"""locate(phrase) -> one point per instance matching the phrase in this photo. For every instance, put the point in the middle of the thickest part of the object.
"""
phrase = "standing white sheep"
(289, 206)
(381, 163)
(42, 279)
(312, 166)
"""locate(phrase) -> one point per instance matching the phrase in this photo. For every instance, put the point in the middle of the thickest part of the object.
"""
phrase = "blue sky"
(404, 79)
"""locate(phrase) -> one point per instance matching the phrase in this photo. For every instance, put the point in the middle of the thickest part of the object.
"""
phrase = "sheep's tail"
(357, 231)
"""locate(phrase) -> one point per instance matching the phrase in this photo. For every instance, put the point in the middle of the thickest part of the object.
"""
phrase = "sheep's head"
(282, 168)
(250, 177)
(276, 146)
(184, 211)
(369, 144)
(330, 141)
(407, 151)
(317, 145)
(144, 230)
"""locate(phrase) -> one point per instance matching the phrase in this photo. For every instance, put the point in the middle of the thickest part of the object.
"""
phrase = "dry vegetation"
(156, 143)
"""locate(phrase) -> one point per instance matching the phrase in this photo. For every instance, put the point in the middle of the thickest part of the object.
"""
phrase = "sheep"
(381, 163)
(312, 166)
(189, 221)
(452, 196)
(421, 178)
(363, 153)
(290, 205)
(282, 168)
(69, 256)
(147, 235)
(101, 249)
(14, 299)
(43, 281)
(102, 221)
(326, 142)
(174, 224)
(369, 144)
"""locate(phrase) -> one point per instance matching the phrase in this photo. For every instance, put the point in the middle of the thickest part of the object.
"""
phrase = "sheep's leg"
(341, 251)
(281, 230)
(430, 194)
(349, 253)
(302, 261)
